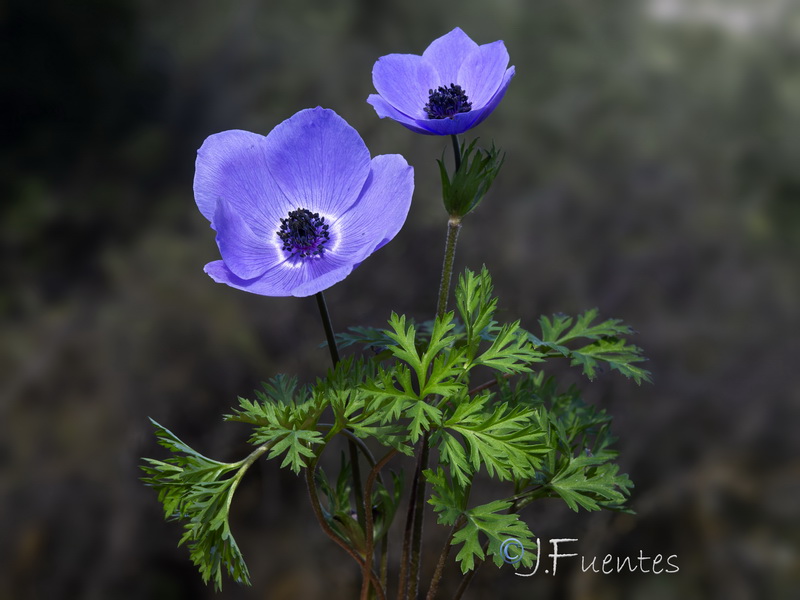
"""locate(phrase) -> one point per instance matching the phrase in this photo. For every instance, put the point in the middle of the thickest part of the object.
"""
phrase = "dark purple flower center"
(447, 102)
(304, 233)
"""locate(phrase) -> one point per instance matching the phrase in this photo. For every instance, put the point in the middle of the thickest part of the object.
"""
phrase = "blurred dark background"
(653, 171)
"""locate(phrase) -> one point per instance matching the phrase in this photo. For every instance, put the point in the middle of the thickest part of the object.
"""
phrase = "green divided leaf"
(511, 351)
(614, 352)
(282, 404)
(576, 465)
(448, 497)
(608, 345)
(198, 491)
(502, 439)
(491, 522)
(367, 337)
(476, 307)
(296, 443)
(592, 483)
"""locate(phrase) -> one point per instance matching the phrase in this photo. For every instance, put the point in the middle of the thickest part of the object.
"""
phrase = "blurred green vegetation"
(652, 171)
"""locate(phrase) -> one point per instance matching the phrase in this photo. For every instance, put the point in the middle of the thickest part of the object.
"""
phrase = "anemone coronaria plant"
(451, 88)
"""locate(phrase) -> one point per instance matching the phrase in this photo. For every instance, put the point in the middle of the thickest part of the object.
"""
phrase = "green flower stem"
(437, 575)
(522, 500)
(456, 152)
(357, 489)
(412, 548)
(326, 323)
(453, 227)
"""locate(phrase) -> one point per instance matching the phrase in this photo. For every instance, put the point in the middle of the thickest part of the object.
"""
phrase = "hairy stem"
(412, 546)
(453, 227)
(368, 533)
(402, 585)
(437, 574)
(419, 518)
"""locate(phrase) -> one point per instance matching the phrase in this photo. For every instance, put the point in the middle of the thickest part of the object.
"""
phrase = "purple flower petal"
(321, 278)
(456, 125)
(482, 72)
(487, 109)
(384, 109)
(281, 281)
(447, 53)
(384, 203)
(246, 253)
(231, 165)
(318, 160)
(403, 80)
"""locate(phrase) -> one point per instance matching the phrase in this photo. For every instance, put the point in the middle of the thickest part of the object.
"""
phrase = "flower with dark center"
(297, 210)
(303, 233)
(453, 86)
(447, 102)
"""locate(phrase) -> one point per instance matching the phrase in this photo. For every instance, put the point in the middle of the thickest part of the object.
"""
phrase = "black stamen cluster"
(304, 233)
(446, 102)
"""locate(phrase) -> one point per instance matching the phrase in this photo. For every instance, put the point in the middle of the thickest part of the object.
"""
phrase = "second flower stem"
(453, 228)
(417, 504)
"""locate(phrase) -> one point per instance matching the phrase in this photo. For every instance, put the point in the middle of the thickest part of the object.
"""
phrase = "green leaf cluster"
(577, 466)
(198, 491)
(412, 382)
(477, 170)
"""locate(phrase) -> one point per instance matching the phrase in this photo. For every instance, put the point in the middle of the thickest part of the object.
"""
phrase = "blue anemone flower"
(297, 210)
(451, 88)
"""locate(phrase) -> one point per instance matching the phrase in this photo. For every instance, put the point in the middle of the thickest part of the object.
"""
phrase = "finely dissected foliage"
(198, 491)
(413, 382)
